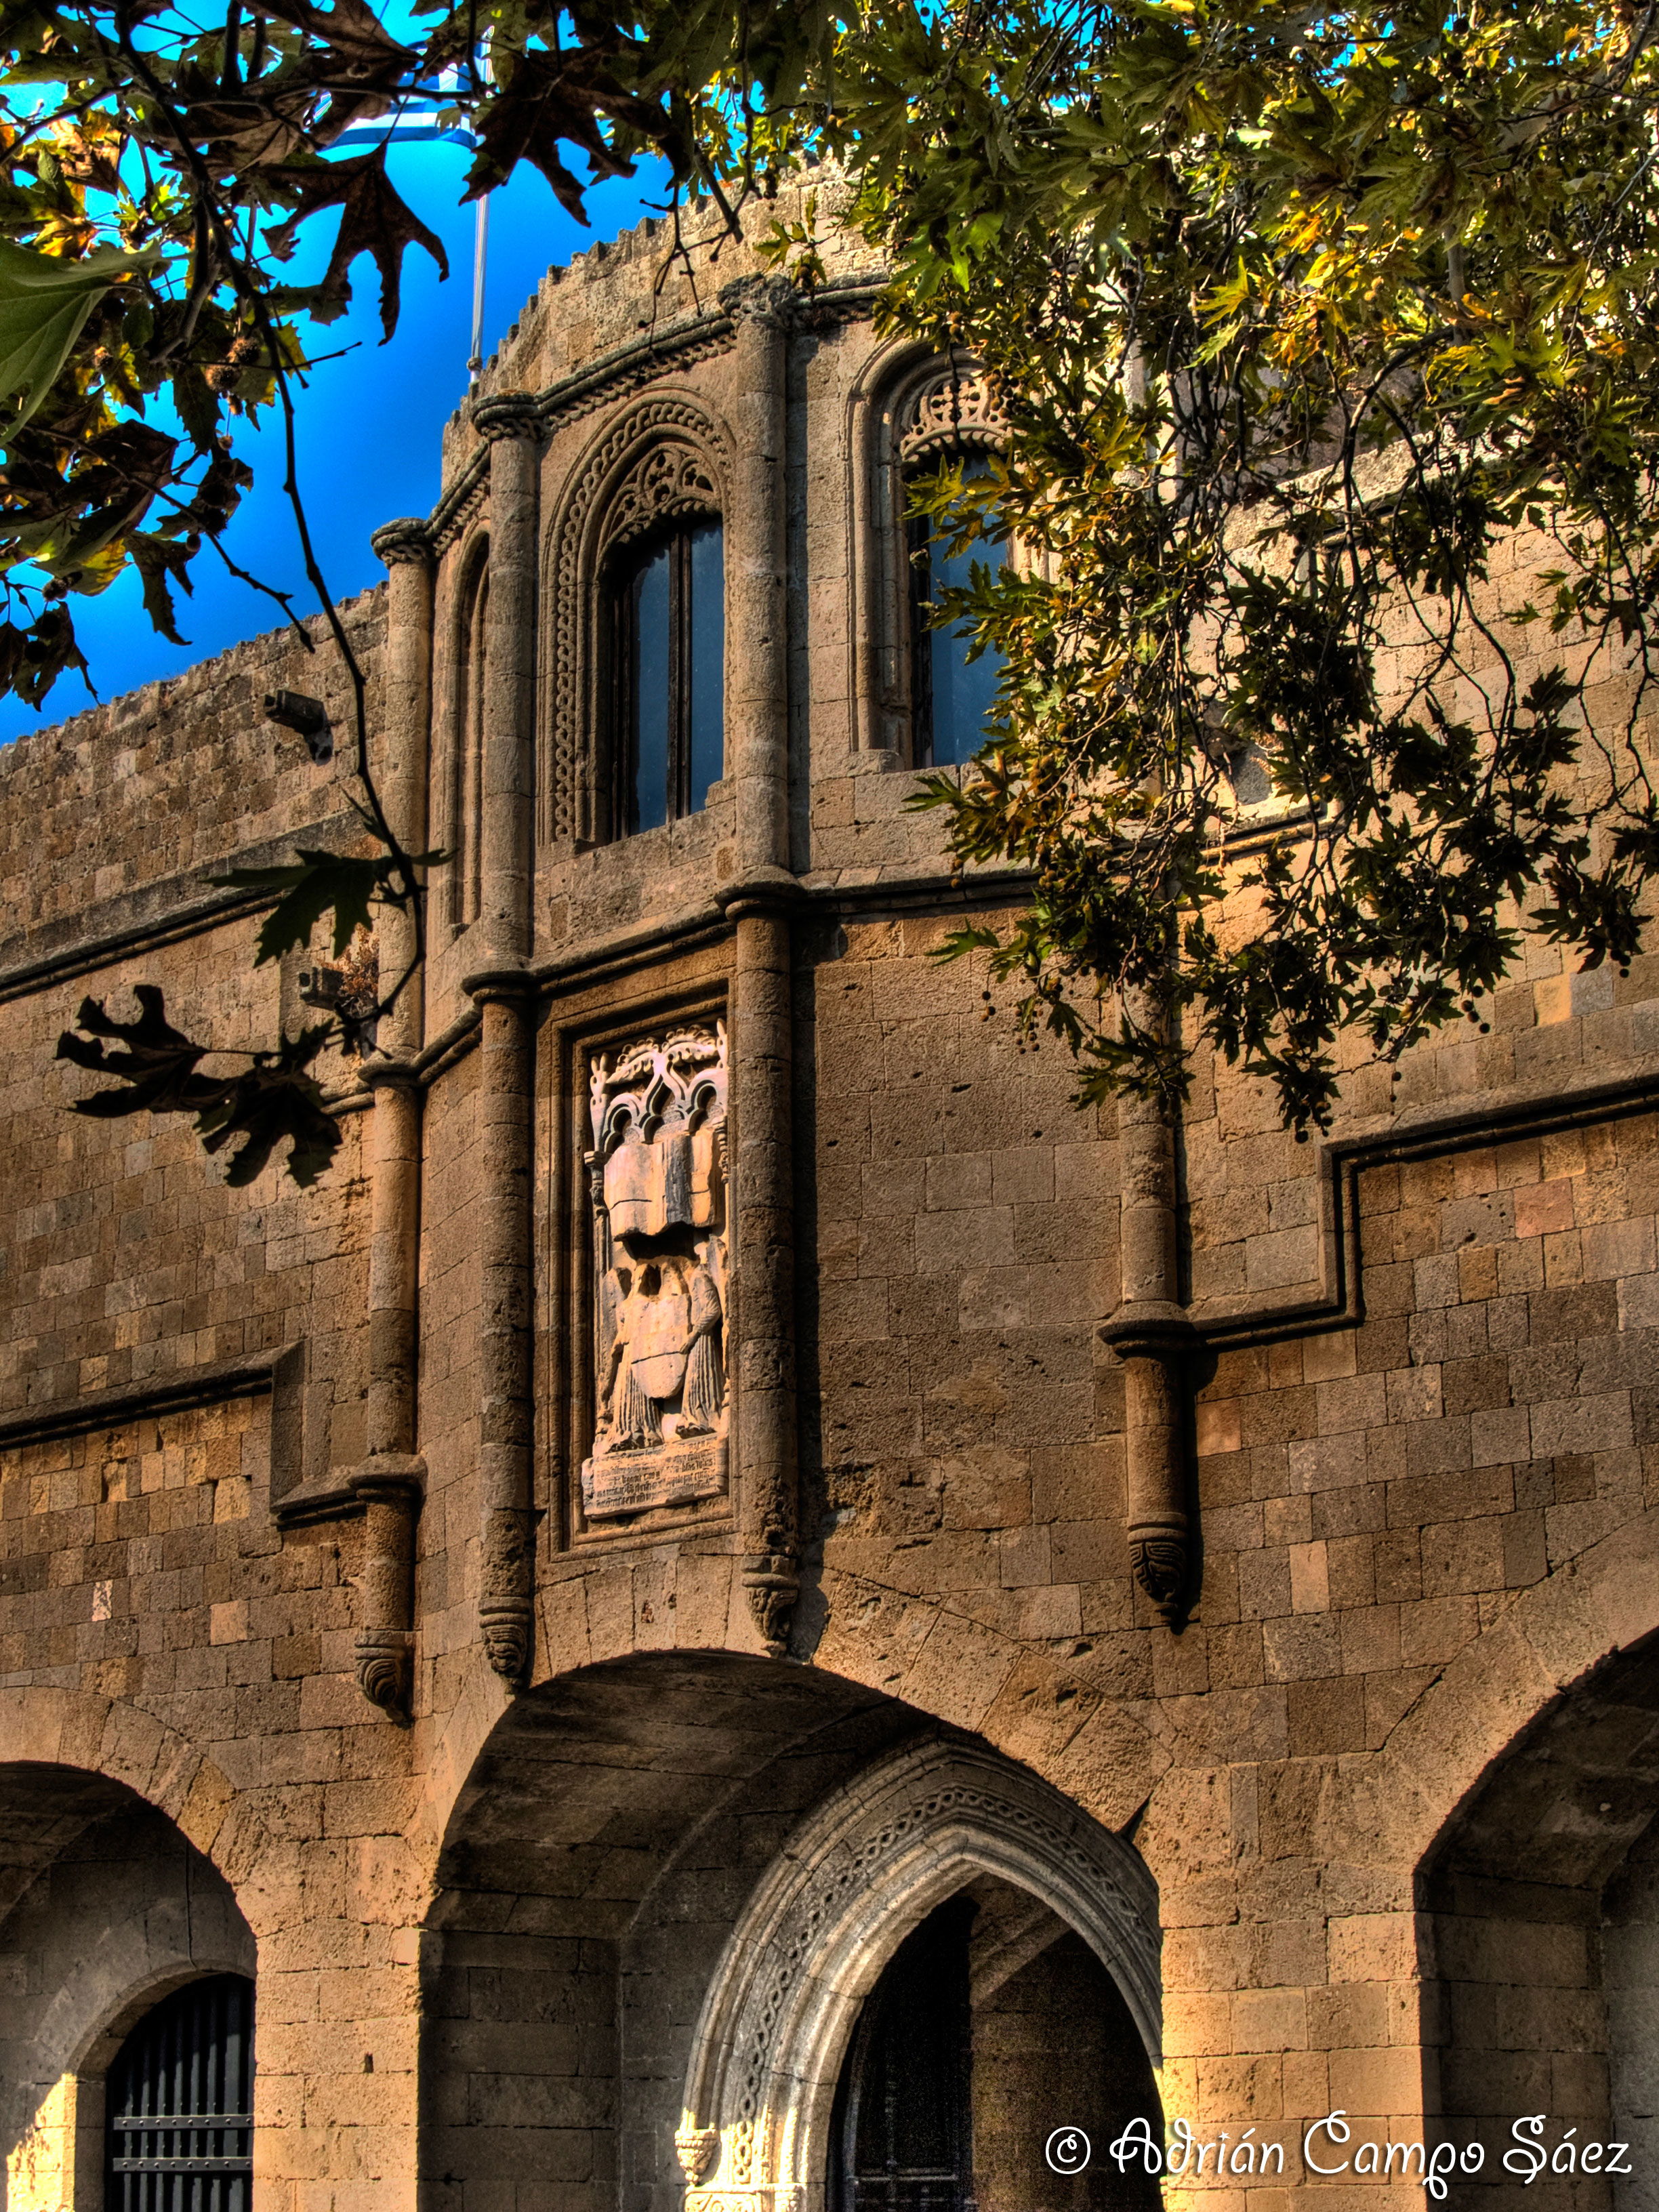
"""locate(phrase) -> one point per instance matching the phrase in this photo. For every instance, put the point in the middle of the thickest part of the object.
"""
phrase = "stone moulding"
(850, 1884)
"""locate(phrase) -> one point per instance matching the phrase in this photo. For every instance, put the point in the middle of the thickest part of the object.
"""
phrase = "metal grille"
(180, 2100)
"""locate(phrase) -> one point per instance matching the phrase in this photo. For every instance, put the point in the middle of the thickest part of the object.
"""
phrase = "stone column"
(401, 758)
(763, 1235)
(506, 998)
(513, 427)
(505, 1421)
(391, 1479)
(1152, 1334)
(757, 658)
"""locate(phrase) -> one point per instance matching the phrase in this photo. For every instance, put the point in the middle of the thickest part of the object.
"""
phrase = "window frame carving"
(661, 460)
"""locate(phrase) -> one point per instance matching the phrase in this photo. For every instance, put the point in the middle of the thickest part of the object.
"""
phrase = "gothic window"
(951, 692)
(929, 699)
(466, 809)
(669, 622)
(179, 2101)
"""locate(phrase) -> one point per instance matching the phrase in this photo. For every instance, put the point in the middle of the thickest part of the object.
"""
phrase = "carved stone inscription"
(657, 1177)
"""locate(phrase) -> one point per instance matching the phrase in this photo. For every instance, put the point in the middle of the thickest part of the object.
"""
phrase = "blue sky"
(369, 422)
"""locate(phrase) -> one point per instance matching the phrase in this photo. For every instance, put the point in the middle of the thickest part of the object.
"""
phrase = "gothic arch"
(1603, 1602)
(663, 455)
(911, 406)
(863, 1870)
(459, 753)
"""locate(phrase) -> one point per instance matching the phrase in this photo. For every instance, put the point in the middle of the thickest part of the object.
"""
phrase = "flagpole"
(480, 261)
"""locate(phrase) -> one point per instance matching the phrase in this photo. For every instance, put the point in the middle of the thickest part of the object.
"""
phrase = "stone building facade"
(732, 1493)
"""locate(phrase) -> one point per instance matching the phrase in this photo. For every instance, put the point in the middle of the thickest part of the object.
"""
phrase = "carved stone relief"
(657, 1182)
(951, 407)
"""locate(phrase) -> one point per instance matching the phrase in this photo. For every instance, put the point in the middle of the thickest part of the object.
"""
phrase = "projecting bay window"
(668, 608)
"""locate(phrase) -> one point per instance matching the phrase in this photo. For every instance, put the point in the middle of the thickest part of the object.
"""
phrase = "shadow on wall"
(105, 1908)
(1541, 1897)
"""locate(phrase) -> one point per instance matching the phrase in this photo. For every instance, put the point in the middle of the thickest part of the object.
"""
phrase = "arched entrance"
(940, 1821)
(105, 1909)
(645, 1847)
(1542, 1907)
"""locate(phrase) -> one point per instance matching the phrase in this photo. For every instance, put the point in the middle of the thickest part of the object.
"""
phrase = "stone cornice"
(249, 1376)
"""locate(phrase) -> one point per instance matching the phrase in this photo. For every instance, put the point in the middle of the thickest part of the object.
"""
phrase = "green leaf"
(44, 304)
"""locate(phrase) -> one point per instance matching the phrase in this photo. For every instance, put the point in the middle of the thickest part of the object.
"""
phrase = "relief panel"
(657, 1185)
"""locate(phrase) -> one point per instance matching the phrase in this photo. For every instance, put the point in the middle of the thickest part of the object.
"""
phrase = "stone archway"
(106, 1907)
(878, 1854)
(1540, 1914)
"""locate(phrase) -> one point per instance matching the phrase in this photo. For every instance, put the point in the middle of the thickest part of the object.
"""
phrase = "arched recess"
(606, 1843)
(1540, 1900)
(106, 1907)
(866, 1868)
(661, 455)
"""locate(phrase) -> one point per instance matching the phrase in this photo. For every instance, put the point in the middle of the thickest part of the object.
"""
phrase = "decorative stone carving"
(952, 406)
(671, 480)
(694, 2148)
(860, 1871)
(405, 540)
(657, 1179)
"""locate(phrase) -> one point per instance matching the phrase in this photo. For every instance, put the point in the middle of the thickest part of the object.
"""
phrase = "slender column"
(400, 761)
(505, 995)
(506, 1428)
(391, 1479)
(756, 664)
(763, 1221)
(513, 427)
(1152, 1334)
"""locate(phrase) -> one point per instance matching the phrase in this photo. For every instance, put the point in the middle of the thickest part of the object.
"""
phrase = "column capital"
(507, 414)
(405, 543)
(768, 301)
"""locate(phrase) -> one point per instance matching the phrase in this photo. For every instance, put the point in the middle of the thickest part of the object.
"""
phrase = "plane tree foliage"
(1326, 341)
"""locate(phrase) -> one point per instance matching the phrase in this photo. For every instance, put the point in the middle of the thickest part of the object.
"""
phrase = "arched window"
(179, 2102)
(668, 628)
(927, 700)
(466, 807)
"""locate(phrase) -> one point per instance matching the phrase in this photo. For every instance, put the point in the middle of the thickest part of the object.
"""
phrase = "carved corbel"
(391, 1487)
(1153, 1339)
(694, 2148)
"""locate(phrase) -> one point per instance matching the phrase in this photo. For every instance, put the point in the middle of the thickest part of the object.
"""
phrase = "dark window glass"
(950, 696)
(670, 622)
(902, 2137)
(179, 2101)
